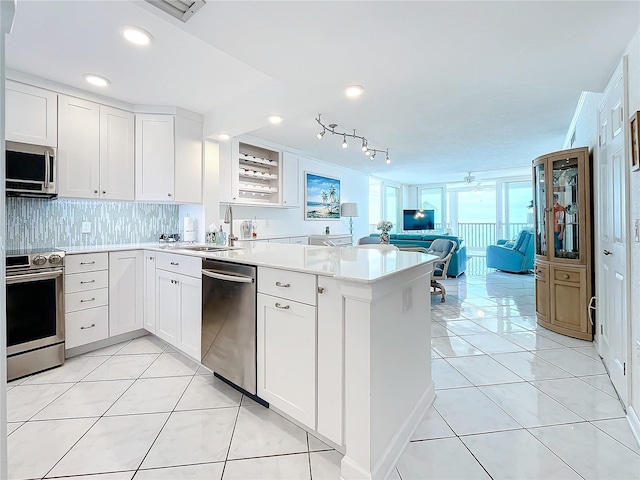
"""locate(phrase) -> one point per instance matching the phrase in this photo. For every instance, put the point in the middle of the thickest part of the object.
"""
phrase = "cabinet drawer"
(572, 276)
(86, 326)
(84, 300)
(299, 240)
(86, 262)
(81, 282)
(541, 272)
(299, 287)
(183, 264)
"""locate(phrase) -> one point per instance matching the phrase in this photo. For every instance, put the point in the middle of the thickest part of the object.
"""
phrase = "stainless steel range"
(35, 311)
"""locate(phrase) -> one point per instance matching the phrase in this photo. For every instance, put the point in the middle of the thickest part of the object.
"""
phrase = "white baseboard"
(634, 422)
(391, 454)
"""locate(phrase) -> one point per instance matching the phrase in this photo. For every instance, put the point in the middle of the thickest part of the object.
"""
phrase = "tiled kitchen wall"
(35, 223)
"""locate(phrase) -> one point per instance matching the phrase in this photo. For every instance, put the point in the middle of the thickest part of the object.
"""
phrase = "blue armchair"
(512, 256)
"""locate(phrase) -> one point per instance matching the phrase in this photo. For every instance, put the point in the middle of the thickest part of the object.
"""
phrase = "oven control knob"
(55, 259)
(39, 260)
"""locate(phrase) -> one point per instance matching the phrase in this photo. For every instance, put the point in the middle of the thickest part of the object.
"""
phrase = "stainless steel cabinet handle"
(283, 285)
(90, 326)
(90, 300)
(87, 263)
(175, 263)
(284, 307)
(606, 252)
(88, 281)
(320, 289)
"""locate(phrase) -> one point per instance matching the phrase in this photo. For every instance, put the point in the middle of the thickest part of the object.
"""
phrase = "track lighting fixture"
(331, 128)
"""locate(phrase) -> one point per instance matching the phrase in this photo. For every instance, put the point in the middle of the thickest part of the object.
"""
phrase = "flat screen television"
(418, 219)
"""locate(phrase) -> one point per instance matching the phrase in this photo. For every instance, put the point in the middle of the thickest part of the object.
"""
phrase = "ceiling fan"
(469, 178)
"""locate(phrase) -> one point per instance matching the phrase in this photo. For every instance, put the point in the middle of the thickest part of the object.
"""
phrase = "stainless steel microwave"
(31, 170)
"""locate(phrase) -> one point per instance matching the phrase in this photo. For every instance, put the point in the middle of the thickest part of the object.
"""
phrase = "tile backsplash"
(37, 223)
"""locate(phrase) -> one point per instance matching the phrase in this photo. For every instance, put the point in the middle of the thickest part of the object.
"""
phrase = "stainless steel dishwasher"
(229, 322)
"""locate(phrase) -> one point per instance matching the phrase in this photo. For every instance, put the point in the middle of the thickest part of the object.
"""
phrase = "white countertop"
(363, 265)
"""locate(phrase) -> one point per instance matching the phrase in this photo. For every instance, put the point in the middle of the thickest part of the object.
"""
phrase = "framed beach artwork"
(321, 197)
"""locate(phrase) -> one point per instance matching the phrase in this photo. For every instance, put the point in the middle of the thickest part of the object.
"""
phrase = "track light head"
(344, 141)
(373, 155)
(364, 145)
(321, 134)
(367, 153)
(388, 159)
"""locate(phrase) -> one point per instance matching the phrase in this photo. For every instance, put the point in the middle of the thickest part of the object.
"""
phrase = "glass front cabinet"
(563, 237)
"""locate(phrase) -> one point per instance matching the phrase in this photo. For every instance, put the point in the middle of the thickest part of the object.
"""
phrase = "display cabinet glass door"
(540, 203)
(564, 211)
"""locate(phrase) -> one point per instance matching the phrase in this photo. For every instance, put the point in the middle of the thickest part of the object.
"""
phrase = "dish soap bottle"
(254, 228)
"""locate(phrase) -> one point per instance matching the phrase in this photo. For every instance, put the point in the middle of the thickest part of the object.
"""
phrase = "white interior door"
(611, 241)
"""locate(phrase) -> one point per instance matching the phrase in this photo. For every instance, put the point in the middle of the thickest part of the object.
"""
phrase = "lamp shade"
(349, 210)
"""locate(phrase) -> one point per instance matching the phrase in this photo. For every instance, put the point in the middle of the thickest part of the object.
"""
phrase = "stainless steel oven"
(35, 312)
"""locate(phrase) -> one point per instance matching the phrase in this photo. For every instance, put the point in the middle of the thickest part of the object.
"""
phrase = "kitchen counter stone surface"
(363, 265)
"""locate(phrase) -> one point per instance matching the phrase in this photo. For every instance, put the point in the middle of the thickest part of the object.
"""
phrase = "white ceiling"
(450, 87)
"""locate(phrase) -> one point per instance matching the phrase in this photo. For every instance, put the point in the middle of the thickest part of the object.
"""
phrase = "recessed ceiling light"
(275, 119)
(136, 35)
(353, 91)
(96, 80)
(223, 136)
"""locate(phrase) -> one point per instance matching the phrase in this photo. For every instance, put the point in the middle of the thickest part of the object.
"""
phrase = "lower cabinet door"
(150, 292)
(126, 280)
(167, 302)
(569, 299)
(86, 326)
(286, 360)
(190, 326)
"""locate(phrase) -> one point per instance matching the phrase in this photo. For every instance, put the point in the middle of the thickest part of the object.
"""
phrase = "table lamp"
(349, 210)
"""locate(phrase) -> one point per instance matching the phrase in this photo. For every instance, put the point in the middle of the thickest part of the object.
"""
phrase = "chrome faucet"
(228, 218)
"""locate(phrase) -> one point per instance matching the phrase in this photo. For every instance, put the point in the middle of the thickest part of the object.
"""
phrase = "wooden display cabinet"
(563, 236)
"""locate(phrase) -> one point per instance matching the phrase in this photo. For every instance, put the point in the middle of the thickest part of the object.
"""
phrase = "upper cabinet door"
(116, 154)
(290, 180)
(188, 160)
(31, 114)
(155, 157)
(79, 148)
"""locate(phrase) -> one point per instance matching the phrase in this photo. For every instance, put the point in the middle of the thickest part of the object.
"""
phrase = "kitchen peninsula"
(343, 338)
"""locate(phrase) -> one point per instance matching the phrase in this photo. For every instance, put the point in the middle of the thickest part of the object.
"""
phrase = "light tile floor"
(513, 401)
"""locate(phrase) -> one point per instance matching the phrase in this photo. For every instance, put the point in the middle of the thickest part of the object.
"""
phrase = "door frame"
(599, 279)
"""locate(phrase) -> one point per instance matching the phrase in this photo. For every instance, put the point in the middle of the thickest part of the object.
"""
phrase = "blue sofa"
(458, 263)
(515, 256)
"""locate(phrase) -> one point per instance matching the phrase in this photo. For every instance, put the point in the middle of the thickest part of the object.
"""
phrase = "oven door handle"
(19, 278)
(229, 278)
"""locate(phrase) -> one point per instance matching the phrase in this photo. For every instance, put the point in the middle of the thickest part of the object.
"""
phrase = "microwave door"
(27, 167)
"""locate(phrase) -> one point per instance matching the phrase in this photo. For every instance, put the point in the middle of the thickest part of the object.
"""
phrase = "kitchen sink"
(205, 248)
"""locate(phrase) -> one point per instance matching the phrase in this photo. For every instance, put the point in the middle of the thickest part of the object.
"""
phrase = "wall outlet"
(86, 227)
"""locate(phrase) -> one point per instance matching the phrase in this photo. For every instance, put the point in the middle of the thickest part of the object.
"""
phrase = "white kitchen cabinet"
(286, 357)
(286, 317)
(190, 316)
(290, 180)
(167, 303)
(150, 292)
(116, 154)
(126, 291)
(330, 359)
(339, 240)
(95, 154)
(179, 306)
(78, 148)
(250, 174)
(86, 298)
(31, 114)
(168, 158)
(155, 157)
